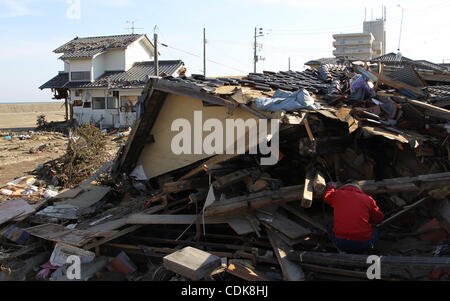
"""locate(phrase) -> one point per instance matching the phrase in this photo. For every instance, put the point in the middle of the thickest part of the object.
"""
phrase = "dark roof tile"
(89, 47)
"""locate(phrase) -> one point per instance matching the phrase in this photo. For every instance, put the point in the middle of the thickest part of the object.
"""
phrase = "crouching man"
(355, 214)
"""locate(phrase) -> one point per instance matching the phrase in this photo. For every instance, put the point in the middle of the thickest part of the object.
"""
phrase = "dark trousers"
(352, 245)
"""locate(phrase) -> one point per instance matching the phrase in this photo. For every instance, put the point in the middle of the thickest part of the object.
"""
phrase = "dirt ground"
(17, 157)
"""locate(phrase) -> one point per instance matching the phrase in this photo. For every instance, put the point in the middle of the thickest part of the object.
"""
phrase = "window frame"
(83, 75)
(95, 99)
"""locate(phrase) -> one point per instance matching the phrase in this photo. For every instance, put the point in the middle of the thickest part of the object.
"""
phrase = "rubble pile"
(229, 217)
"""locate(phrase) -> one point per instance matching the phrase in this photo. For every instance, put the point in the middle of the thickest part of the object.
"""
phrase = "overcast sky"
(302, 30)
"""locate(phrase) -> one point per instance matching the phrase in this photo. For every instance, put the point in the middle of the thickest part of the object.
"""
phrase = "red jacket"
(354, 213)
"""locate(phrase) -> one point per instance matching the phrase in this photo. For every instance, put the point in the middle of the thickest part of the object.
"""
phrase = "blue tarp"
(287, 101)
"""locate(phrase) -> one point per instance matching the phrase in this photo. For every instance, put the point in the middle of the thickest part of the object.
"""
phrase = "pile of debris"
(167, 216)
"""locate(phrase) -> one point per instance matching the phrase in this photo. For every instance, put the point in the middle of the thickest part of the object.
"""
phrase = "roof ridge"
(160, 61)
(112, 36)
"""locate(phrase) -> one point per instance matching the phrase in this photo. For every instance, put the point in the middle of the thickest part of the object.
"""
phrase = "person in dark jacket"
(355, 215)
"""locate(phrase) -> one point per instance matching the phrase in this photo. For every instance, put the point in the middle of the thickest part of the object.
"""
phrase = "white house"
(103, 77)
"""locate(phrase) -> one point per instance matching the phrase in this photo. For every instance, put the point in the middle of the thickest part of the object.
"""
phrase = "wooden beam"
(291, 209)
(432, 110)
(308, 191)
(245, 273)
(291, 270)
(308, 129)
(404, 184)
(211, 162)
(184, 185)
(402, 212)
(255, 201)
(390, 265)
(233, 178)
(399, 85)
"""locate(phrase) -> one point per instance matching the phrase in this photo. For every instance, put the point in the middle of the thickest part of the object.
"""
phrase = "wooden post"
(307, 199)
(66, 102)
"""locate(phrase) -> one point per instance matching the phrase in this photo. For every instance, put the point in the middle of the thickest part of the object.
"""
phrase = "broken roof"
(242, 92)
(393, 59)
(80, 48)
(136, 77)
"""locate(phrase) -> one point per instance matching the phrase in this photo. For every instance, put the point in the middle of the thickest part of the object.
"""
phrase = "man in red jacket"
(355, 214)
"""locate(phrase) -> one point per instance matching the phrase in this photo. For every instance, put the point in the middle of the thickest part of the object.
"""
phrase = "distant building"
(364, 46)
(378, 29)
(103, 77)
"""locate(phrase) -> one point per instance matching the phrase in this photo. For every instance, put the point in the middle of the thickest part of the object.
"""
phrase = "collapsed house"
(223, 215)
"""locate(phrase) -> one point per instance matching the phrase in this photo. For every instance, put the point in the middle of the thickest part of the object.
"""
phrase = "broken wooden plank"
(432, 110)
(254, 201)
(168, 219)
(404, 184)
(151, 250)
(112, 237)
(13, 209)
(281, 223)
(192, 263)
(233, 178)
(308, 129)
(240, 225)
(399, 85)
(245, 273)
(211, 162)
(308, 191)
(390, 265)
(334, 271)
(291, 209)
(188, 243)
(88, 197)
(184, 185)
(291, 270)
(402, 212)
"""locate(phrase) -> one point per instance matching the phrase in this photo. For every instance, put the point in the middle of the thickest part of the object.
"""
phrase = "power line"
(199, 56)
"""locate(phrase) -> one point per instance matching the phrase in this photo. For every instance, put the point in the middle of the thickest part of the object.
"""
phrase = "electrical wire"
(199, 56)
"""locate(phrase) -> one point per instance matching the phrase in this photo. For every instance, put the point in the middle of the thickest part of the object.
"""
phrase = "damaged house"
(103, 77)
(217, 215)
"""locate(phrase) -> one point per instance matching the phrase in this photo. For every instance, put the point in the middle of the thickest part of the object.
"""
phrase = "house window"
(98, 103)
(129, 103)
(87, 105)
(81, 76)
(112, 103)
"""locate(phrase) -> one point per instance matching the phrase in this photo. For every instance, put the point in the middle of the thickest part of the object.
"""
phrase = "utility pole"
(156, 52)
(204, 52)
(289, 64)
(258, 33)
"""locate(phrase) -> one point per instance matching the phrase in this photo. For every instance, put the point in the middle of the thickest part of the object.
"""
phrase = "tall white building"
(366, 45)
